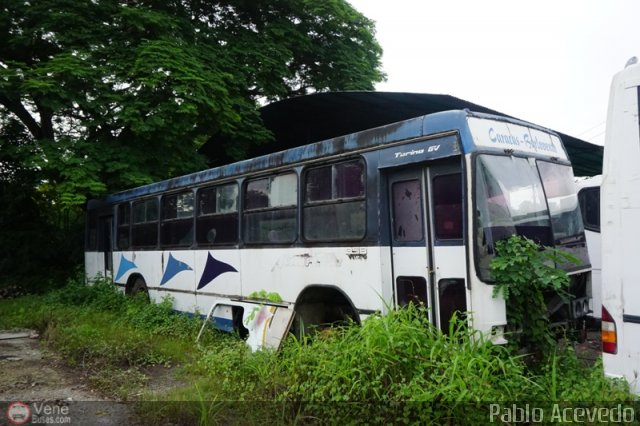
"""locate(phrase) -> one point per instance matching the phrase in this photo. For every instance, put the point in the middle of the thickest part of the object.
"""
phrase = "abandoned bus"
(620, 211)
(346, 227)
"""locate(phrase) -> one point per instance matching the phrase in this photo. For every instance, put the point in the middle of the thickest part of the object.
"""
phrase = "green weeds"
(396, 368)
(523, 273)
(393, 369)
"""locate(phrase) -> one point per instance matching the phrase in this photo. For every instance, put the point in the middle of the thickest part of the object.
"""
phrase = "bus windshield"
(509, 200)
(515, 195)
(566, 218)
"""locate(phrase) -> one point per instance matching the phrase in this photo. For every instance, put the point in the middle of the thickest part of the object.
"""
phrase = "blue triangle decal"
(173, 267)
(213, 269)
(125, 266)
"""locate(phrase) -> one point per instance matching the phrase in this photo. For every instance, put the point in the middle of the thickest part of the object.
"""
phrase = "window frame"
(123, 226)
(247, 213)
(587, 224)
(176, 220)
(436, 236)
(146, 223)
(394, 217)
(544, 166)
(477, 256)
(333, 201)
(199, 216)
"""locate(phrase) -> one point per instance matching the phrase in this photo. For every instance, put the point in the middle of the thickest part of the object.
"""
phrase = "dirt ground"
(54, 393)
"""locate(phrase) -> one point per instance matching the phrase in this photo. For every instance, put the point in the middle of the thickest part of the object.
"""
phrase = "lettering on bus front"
(497, 134)
(531, 142)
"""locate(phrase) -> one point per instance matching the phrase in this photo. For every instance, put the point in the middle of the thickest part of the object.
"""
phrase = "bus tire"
(139, 287)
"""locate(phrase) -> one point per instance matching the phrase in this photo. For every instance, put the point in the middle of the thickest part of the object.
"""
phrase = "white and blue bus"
(345, 227)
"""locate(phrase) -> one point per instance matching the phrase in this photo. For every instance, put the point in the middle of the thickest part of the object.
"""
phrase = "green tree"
(39, 244)
(101, 95)
(98, 95)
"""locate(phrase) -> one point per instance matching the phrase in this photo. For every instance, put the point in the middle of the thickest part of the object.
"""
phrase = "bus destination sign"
(499, 134)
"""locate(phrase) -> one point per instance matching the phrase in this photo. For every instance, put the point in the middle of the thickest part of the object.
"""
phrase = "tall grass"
(396, 368)
(401, 369)
(393, 369)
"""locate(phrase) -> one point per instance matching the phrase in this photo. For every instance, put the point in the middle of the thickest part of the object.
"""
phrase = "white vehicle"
(348, 226)
(589, 199)
(620, 214)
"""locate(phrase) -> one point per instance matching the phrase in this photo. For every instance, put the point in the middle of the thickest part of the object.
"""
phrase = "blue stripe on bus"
(223, 324)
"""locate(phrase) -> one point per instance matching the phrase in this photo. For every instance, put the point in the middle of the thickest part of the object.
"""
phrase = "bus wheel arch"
(136, 284)
(322, 305)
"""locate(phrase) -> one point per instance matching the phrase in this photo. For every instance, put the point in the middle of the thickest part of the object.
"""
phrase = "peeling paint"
(307, 260)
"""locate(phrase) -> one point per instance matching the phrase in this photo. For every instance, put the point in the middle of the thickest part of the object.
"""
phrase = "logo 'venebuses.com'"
(18, 413)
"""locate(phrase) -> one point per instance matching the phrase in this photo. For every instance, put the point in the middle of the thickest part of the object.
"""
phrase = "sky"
(549, 62)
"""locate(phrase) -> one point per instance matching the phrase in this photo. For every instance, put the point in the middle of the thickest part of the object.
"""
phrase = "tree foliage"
(101, 95)
(98, 95)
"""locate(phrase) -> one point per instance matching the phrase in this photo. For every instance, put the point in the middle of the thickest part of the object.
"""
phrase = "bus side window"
(270, 206)
(589, 199)
(176, 228)
(124, 222)
(217, 221)
(144, 231)
(334, 202)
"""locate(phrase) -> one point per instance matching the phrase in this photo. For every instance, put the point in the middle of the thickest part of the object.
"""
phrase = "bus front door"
(411, 259)
(427, 240)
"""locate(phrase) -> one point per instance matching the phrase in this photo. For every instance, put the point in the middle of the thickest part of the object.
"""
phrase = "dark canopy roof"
(306, 119)
(320, 116)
